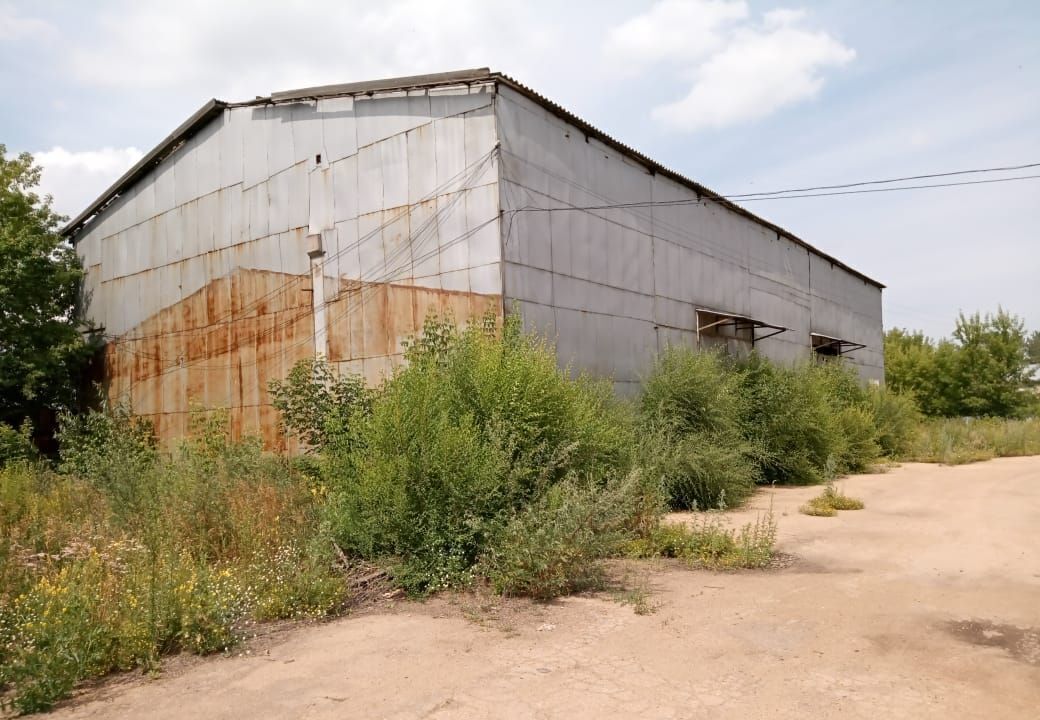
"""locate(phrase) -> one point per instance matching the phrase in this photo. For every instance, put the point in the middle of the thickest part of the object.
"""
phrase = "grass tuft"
(829, 502)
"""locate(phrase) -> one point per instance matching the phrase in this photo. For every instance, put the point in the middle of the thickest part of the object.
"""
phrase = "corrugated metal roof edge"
(202, 116)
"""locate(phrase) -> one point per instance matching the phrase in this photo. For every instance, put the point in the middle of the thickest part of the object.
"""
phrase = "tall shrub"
(476, 426)
(790, 415)
(692, 409)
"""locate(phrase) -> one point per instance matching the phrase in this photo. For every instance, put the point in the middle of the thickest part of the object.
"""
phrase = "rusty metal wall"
(201, 274)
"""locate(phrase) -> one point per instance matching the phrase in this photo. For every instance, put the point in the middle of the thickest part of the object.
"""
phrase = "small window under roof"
(827, 346)
(729, 326)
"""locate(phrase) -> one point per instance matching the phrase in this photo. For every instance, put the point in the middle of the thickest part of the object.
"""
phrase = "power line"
(707, 198)
(893, 189)
(884, 182)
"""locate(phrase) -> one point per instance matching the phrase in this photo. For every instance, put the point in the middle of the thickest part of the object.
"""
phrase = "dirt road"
(924, 605)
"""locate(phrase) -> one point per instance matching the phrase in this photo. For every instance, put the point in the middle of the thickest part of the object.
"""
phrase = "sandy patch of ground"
(926, 604)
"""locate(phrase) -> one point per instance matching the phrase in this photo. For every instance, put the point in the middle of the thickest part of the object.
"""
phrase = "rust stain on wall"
(224, 344)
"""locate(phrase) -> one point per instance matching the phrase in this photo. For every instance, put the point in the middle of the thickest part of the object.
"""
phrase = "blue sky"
(742, 96)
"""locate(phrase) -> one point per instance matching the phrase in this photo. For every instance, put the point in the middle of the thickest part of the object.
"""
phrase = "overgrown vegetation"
(124, 553)
(478, 461)
(478, 438)
(714, 427)
(708, 543)
(953, 441)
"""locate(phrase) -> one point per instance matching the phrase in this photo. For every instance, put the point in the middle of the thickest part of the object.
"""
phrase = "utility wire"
(892, 189)
(885, 182)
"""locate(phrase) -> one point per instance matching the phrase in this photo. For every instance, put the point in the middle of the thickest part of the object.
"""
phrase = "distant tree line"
(984, 369)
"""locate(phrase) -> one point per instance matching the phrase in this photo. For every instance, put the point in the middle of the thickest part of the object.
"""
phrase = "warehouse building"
(331, 220)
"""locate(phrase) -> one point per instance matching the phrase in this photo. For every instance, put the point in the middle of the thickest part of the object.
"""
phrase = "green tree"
(916, 364)
(1033, 347)
(982, 370)
(992, 364)
(41, 347)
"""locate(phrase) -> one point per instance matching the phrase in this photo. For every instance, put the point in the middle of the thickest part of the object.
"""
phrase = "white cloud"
(673, 30)
(14, 26)
(741, 71)
(245, 48)
(74, 179)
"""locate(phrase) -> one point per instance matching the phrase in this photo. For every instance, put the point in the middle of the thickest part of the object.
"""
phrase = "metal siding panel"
(370, 180)
(193, 276)
(397, 251)
(427, 253)
(207, 157)
(278, 203)
(280, 154)
(394, 159)
(230, 232)
(458, 99)
(422, 163)
(454, 248)
(144, 200)
(164, 188)
(345, 189)
(174, 238)
(339, 127)
(349, 260)
(299, 204)
(387, 114)
(185, 174)
(208, 222)
(255, 205)
(294, 259)
(232, 137)
(320, 217)
(559, 228)
(254, 147)
(485, 238)
(188, 228)
(480, 138)
(370, 251)
(528, 284)
(307, 132)
(486, 279)
(450, 141)
(455, 280)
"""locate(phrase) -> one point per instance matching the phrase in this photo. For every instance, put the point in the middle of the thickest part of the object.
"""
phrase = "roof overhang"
(214, 107)
(837, 345)
(738, 323)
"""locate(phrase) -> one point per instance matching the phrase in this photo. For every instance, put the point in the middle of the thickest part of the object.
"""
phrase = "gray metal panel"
(278, 202)
(254, 147)
(394, 159)
(307, 132)
(185, 174)
(207, 157)
(370, 179)
(339, 127)
(280, 152)
(422, 163)
(450, 139)
(232, 138)
(345, 188)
